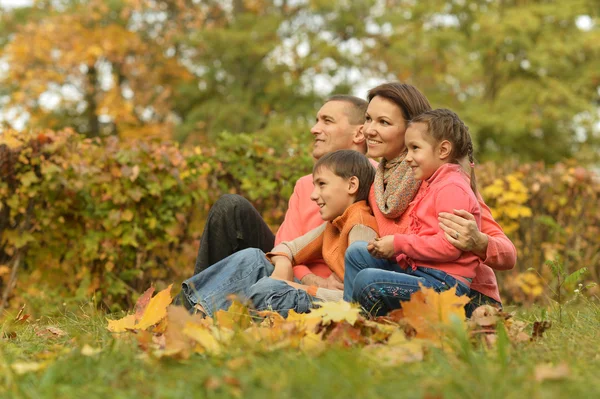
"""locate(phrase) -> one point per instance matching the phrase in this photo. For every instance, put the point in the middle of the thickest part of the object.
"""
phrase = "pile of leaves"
(404, 335)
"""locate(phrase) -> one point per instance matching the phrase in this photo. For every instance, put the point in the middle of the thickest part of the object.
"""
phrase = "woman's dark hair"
(443, 124)
(407, 97)
(348, 163)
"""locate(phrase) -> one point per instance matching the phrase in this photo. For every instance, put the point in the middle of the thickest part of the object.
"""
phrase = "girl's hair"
(348, 163)
(407, 97)
(443, 124)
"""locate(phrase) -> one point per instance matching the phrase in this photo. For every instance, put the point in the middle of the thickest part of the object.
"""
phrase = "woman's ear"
(353, 185)
(444, 149)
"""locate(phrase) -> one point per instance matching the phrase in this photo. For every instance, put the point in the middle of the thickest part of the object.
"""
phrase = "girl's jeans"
(379, 285)
(245, 274)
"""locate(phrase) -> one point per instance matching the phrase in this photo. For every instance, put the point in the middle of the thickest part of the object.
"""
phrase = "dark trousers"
(233, 224)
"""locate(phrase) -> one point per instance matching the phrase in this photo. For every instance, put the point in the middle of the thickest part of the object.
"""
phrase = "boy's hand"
(382, 247)
(283, 269)
(332, 282)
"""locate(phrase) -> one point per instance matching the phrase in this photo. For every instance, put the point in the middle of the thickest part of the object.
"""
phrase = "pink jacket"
(425, 243)
(501, 253)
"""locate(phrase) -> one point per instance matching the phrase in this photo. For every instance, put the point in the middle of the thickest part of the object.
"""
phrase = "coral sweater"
(425, 243)
(330, 240)
(501, 254)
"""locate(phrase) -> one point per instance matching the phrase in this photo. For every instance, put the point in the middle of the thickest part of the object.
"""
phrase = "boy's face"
(332, 193)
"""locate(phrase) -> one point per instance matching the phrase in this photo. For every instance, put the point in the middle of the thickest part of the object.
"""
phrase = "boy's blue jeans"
(245, 274)
(379, 285)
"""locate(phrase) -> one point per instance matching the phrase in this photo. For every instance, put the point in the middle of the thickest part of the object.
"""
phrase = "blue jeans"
(245, 274)
(380, 285)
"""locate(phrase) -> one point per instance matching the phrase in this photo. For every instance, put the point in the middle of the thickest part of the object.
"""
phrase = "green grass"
(122, 370)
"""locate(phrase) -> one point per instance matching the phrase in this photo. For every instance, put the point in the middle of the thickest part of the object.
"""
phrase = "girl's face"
(384, 129)
(424, 156)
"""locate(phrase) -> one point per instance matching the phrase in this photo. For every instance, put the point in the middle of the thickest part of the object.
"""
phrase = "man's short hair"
(348, 163)
(356, 109)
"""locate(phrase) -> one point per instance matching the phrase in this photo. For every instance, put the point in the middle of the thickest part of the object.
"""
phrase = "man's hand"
(461, 231)
(382, 247)
(332, 282)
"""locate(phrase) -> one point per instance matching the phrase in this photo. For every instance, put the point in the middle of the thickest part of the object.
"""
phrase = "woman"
(391, 106)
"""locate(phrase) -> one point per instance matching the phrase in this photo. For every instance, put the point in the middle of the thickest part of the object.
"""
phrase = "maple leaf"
(176, 342)
(427, 311)
(237, 315)
(122, 325)
(156, 309)
(336, 312)
(203, 337)
(142, 303)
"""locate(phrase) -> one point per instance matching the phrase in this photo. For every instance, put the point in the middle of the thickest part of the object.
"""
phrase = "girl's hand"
(461, 231)
(382, 247)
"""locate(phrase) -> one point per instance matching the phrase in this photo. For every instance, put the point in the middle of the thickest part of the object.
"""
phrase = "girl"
(436, 140)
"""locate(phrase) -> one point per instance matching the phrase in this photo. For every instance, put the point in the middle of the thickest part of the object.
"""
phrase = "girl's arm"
(435, 247)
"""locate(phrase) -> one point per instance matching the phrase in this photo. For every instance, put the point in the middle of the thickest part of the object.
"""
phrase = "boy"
(342, 180)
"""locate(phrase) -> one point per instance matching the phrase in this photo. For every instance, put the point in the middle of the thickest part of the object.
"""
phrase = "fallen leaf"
(549, 372)
(21, 316)
(398, 350)
(156, 309)
(27, 367)
(346, 335)
(142, 303)
(203, 337)
(427, 311)
(122, 325)
(50, 332)
(237, 315)
(176, 342)
(89, 351)
(539, 327)
(212, 383)
(336, 312)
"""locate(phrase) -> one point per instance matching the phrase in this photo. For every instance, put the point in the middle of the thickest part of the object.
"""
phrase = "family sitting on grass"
(413, 220)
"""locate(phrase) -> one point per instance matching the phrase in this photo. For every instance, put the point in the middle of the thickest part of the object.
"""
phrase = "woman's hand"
(382, 247)
(461, 231)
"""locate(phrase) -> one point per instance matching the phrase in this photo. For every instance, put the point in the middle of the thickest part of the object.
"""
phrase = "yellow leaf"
(89, 351)
(127, 215)
(237, 315)
(428, 310)
(336, 312)
(549, 372)
(122, 325)
(156, 309)
(26, 367)
(203, 337)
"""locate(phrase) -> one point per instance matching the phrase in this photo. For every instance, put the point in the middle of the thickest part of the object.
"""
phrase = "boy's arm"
(360, 232)
(435, 247)
(293, 225)
(301, 249)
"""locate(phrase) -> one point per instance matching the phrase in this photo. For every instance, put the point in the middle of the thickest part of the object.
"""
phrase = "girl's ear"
(353, 185)
(444, 149)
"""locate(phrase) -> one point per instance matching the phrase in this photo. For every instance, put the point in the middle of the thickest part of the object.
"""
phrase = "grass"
(122, 370)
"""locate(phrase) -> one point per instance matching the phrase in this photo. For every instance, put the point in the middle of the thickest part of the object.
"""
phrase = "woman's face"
(384, 129)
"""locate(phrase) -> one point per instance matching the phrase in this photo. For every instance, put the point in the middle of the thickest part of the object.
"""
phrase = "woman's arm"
(490, 243)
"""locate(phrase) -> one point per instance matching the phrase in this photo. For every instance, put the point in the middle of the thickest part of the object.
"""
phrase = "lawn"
(89, 359)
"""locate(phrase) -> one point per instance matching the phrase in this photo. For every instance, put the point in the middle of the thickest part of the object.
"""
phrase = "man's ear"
(353, 185)
(444, 149)
(358, 137)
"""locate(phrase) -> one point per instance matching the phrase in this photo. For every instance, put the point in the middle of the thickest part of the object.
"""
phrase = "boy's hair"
(407, 97)
(443, 124)
(348, 163)
(356, 109)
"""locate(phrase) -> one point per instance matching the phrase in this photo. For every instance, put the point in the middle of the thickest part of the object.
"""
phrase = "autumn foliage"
(105, 217)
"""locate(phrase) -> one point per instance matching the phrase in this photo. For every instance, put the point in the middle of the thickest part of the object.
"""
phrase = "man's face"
(332, 130)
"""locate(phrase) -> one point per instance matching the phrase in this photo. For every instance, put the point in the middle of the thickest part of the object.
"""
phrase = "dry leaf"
(428, 310)
(539, 327)
(237, 315)
(177, 343)
(336, 311)
(89, 351)
(549, 372)
(142, 303)
(122, 325)
(156, 309)
(50, 332)
(27, 367)
(203, 337)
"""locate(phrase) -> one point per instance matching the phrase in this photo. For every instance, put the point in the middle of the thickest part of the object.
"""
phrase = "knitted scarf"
(395, 186)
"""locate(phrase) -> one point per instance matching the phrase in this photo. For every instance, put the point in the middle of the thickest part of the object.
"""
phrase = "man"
(234, 224)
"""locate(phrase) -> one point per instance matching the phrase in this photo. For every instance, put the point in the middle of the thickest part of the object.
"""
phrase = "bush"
(106, 217)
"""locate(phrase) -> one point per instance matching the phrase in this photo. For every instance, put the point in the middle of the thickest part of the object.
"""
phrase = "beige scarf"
(395, 186)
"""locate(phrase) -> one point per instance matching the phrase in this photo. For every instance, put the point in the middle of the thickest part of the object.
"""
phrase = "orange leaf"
(156, 309)
(428, 310)
(142, 303)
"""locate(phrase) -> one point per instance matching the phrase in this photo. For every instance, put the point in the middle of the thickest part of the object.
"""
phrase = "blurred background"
(123, 120)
